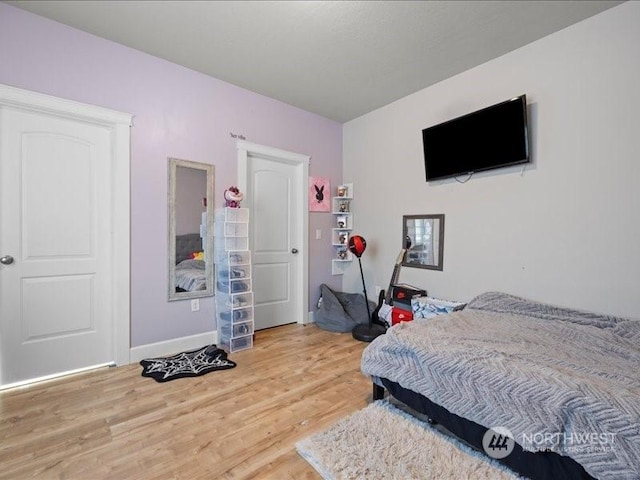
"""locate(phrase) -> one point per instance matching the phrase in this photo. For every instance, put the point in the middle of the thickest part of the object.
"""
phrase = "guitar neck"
(395, 275)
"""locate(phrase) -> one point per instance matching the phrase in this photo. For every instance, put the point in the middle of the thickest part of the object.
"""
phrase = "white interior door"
(275, 184)
(57, 277)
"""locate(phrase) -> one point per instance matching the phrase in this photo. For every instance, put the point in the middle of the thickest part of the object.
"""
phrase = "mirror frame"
(437, 234)
(173, 163)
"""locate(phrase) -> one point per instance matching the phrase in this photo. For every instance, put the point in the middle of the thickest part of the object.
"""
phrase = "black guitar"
(374, 315)
(386, 299)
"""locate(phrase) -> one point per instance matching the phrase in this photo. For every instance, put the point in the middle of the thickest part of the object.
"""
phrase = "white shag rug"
(383, 442)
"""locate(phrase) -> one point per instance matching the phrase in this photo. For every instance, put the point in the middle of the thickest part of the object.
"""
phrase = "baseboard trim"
(173, 346)
(308, 320)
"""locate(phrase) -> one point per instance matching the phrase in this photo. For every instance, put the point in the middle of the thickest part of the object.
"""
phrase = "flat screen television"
(493, 137)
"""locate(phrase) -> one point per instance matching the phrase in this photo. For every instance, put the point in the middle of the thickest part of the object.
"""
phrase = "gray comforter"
(556, 378)
(190, 275)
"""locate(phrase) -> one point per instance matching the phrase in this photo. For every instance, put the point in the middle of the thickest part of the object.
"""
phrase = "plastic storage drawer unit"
(234, 296)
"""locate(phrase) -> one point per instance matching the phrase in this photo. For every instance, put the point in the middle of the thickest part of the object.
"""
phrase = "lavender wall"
(178, 113)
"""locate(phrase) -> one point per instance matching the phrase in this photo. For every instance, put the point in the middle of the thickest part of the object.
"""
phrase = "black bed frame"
(536, 466)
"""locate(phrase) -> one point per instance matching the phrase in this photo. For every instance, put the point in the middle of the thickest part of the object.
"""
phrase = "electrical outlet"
(195, 304)
(378, 288)
(318, 234)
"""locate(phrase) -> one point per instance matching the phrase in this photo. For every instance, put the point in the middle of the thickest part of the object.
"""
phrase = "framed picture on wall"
(319, 194)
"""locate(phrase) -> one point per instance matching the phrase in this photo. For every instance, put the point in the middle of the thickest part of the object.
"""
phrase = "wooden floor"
(237, 423)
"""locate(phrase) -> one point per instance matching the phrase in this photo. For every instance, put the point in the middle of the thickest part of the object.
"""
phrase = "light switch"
(318, 234)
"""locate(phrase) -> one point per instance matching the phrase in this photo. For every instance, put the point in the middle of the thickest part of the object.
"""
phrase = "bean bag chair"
(340, 312)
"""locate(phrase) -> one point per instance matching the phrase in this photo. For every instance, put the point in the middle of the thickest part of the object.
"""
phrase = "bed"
(564, 383)
(190, 273)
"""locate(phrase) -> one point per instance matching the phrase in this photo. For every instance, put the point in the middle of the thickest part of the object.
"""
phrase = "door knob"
(6, 260)
(294, 250)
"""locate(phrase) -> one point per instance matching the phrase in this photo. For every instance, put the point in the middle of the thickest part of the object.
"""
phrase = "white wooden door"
(275, 192)
(57, 281)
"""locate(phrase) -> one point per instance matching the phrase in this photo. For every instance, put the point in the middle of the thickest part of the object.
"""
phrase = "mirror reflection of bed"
(190, 264)
(419, 254)
(190, 218)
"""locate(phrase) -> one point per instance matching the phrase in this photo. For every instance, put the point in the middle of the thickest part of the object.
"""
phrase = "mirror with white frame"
(423, 236)
(191, 193)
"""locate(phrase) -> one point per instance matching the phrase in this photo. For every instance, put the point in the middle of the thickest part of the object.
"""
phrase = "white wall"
(566, 228)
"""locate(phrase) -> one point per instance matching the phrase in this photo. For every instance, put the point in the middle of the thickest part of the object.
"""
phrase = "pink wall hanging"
(319, 194)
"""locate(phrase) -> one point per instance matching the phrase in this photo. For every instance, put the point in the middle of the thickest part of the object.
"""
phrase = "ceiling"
(339, 59)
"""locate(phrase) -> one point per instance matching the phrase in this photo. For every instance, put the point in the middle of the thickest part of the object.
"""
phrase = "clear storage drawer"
(233, 272)
(240, 257)
(233, 286)
(237, 329)
(234, 301)
(236, 344)
(232, 215)
(231, 229)
(231, 243)
(235, 316)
